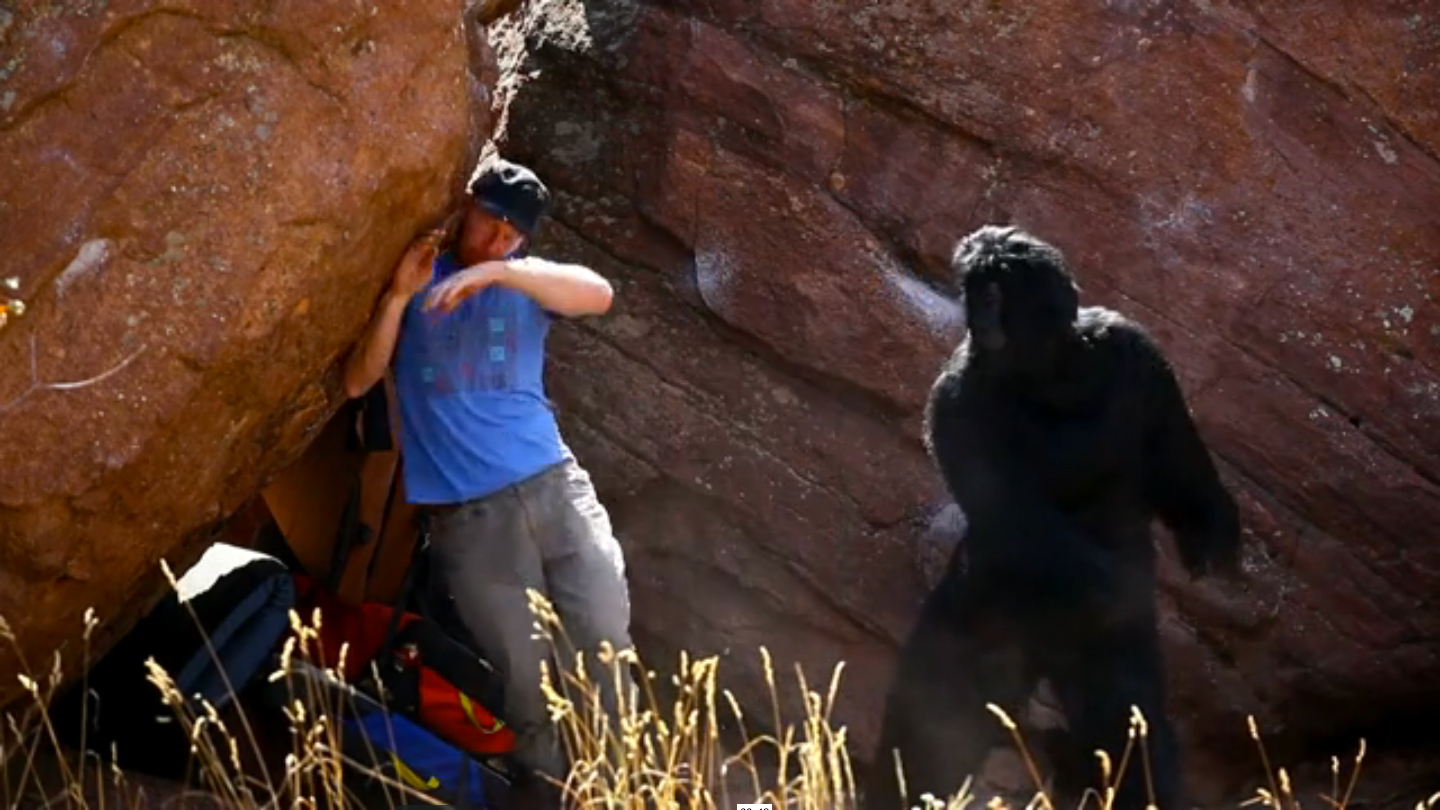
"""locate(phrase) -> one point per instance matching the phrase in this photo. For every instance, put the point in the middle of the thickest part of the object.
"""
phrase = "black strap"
(349, 534)
(351, 412)
(407, 586)
(375, 420)
(372, 434)
(395, 478)
(369, 419)
(399, 684)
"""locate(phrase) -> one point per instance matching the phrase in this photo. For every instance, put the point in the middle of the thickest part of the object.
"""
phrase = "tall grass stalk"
(644, 755)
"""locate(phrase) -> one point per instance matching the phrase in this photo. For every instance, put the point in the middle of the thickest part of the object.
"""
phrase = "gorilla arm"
(1182, 484)
(1015, 536)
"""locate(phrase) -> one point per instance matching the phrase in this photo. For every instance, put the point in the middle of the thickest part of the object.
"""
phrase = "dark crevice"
(1345, 92)
(1320, 78)
(905, 110)
(30, 109)
(907, 257)
(1396, 726)
(1376, 438)
(1398, 127)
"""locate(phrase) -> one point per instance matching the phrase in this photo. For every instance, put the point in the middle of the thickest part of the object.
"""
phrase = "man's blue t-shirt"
(473, 410)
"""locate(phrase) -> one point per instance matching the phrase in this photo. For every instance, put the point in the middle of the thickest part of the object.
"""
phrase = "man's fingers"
(452, 222)
(427, 244)
(442, 297)
(449, 293)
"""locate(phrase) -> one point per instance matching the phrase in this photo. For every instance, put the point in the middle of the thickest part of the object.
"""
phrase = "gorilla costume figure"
(1060, 432)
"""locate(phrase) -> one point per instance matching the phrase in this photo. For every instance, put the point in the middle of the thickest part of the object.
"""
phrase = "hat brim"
(499, 212)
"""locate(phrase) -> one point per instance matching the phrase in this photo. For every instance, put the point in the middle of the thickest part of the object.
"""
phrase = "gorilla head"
(1020, 300)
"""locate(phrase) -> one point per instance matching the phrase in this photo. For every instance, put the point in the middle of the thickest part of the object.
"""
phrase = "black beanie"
(512, 192)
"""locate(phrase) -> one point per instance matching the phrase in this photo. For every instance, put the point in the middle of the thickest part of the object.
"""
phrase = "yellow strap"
(469, 710)
(410, 778)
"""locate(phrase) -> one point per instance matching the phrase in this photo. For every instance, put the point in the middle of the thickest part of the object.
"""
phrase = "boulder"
(775, 188)
(204, 200)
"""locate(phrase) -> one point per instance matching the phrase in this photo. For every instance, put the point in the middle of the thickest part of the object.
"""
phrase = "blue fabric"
(430, 764)
(474, 417)
(223, 622)
(242, 642)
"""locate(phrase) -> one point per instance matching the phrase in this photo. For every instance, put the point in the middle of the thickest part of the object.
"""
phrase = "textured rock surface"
(775, 187)
(202, 201)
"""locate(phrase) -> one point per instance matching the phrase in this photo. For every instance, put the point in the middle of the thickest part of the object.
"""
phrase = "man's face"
(485, 237)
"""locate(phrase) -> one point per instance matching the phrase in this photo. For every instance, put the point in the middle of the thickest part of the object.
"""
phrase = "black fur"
(1060, 432)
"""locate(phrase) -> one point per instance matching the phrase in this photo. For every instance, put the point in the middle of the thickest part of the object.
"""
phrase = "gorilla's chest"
(1082, 438)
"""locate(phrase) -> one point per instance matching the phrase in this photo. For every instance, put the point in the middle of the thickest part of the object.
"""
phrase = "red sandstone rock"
(774, 186)
(202, 201)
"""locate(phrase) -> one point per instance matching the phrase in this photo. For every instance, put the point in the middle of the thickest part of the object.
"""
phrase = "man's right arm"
(371, 356)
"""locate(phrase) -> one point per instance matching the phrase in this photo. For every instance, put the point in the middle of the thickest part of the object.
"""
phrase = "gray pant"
(550, 533)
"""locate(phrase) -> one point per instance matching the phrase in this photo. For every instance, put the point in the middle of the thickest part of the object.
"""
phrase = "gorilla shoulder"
(1106, 327)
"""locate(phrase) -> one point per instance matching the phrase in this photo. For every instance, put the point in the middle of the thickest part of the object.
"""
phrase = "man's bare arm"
(565, 289)
(371, 356)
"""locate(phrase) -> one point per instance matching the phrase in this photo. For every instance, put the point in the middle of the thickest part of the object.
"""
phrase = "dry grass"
(655, 756)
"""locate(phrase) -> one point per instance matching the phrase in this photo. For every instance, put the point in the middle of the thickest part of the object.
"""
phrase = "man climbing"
(508, 504)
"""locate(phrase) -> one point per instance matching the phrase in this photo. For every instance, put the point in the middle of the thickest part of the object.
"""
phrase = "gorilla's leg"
(1072, 770)
(958, 658)
(1097, 682)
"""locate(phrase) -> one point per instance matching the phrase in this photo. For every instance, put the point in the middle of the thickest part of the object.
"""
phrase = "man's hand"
(449, 293)
(371, 355)
(415, 267)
